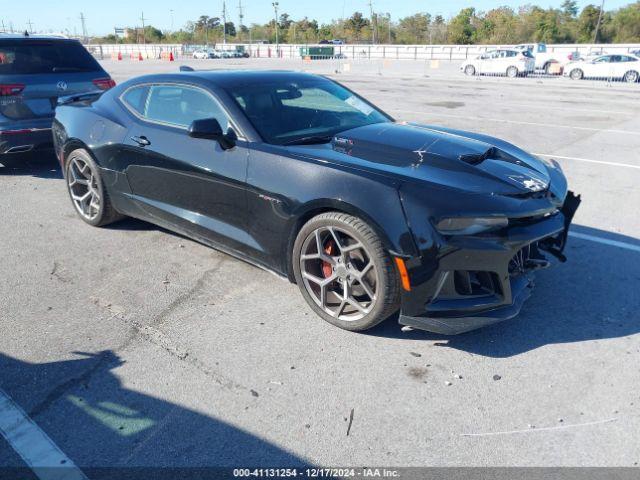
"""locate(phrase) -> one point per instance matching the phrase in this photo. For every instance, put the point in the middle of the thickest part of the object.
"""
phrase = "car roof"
(17, 39)
(227, 78)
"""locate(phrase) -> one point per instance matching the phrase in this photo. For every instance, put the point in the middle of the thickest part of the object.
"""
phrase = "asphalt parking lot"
(132, 346)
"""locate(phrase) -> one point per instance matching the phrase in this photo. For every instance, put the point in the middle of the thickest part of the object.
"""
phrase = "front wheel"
(631, 77)
(344, 272)
(512, 72)
(86, 189)
(470, 70)
(576, 74)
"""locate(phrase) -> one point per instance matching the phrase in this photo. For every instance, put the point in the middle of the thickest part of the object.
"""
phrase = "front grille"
(527, 259)
(476, 282)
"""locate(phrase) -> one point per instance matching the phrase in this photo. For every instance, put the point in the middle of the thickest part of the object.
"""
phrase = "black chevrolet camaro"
(299, 175)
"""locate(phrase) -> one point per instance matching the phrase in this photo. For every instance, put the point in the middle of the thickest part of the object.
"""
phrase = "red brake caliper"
(329, 249)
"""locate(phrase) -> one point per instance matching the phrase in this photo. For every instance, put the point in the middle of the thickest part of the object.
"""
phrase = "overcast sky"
(101, 17)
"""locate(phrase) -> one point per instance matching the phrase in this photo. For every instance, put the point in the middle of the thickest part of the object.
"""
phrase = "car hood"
(452, 158)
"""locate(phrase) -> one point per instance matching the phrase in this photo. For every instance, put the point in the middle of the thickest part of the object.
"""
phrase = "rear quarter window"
(24, 57)
(135, 98)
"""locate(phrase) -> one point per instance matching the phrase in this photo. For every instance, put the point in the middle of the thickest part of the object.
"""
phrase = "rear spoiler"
(87, 97)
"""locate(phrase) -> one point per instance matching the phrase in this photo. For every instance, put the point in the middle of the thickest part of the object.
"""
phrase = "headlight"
(550, 162)
(470, 226)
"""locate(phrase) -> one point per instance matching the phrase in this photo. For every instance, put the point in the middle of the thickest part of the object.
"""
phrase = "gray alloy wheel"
(512, 72)
(576, 74)
(631, 76)
(470, 70)
(86, 189)
(344, 273)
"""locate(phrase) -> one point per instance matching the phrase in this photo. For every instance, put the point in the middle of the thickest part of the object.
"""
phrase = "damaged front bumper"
(473, 281)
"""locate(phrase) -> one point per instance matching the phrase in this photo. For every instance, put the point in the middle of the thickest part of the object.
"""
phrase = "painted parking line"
(35, 447)
(518, 122)
(615, 164)
(606, 241)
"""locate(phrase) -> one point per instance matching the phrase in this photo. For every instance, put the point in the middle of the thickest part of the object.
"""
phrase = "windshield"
(305, 111)
(44, 56)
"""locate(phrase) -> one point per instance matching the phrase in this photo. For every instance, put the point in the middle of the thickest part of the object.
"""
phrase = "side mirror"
(210, 129)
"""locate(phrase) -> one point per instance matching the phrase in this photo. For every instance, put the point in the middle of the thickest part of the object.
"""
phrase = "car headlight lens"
(549, 162)
(470, 225)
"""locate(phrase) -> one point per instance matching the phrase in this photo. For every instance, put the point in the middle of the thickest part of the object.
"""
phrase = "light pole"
(389, 25)
(595, 35)
(275, 11)
(224, 23)
(171, 13)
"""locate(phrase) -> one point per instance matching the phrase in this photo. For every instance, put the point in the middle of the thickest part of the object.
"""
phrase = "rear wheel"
(344, 272)
(470, 70)
(512, 72)
(576, 74)
(86, 189)
(631, 76)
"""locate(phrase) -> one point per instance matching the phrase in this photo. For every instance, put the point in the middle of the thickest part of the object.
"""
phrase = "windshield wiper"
(310, 140)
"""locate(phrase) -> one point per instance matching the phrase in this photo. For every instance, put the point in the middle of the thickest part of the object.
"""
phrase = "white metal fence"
(394, 52)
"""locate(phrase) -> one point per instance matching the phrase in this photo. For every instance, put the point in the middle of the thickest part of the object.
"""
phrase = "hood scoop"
(492, 153)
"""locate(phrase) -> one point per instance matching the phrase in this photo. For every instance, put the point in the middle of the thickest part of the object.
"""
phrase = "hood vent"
(491, 153)
(476, 158)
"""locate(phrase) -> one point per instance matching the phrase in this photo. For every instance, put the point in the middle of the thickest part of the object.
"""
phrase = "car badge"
(62, 86)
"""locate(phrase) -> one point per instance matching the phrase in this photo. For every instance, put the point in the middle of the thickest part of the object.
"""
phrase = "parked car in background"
(543, 58)
(224, 54)
(34, 72)
(202, 53)
(509, 62)
(614, 67)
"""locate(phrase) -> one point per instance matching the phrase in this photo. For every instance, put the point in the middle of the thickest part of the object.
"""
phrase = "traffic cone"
(171, 59)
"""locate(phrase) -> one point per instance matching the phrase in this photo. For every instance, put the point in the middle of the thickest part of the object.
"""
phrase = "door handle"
(141, 140)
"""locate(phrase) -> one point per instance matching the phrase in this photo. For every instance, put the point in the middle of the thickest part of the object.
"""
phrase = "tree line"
(501, 25)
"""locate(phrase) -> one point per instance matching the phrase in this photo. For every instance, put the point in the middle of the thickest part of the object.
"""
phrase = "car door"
(599, 68)
(488, 62)
(189, 184)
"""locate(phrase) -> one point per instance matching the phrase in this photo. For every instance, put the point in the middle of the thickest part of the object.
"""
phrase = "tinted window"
(285, 112)
(180, 105)
(44, 56)
(605, 59)
(135, 98)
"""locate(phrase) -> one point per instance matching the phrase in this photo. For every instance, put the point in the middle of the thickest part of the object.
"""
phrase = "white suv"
(543, 58)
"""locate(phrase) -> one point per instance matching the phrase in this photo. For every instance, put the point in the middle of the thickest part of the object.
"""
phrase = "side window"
(605, 59)
(180, 105)
(135, 98)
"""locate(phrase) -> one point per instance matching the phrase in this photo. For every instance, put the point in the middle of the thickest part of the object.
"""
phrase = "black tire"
(106, 214)
(576, 74)
(387, 276)
(470, 70)
(512, 72)
(631, 76)
(545, 68)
